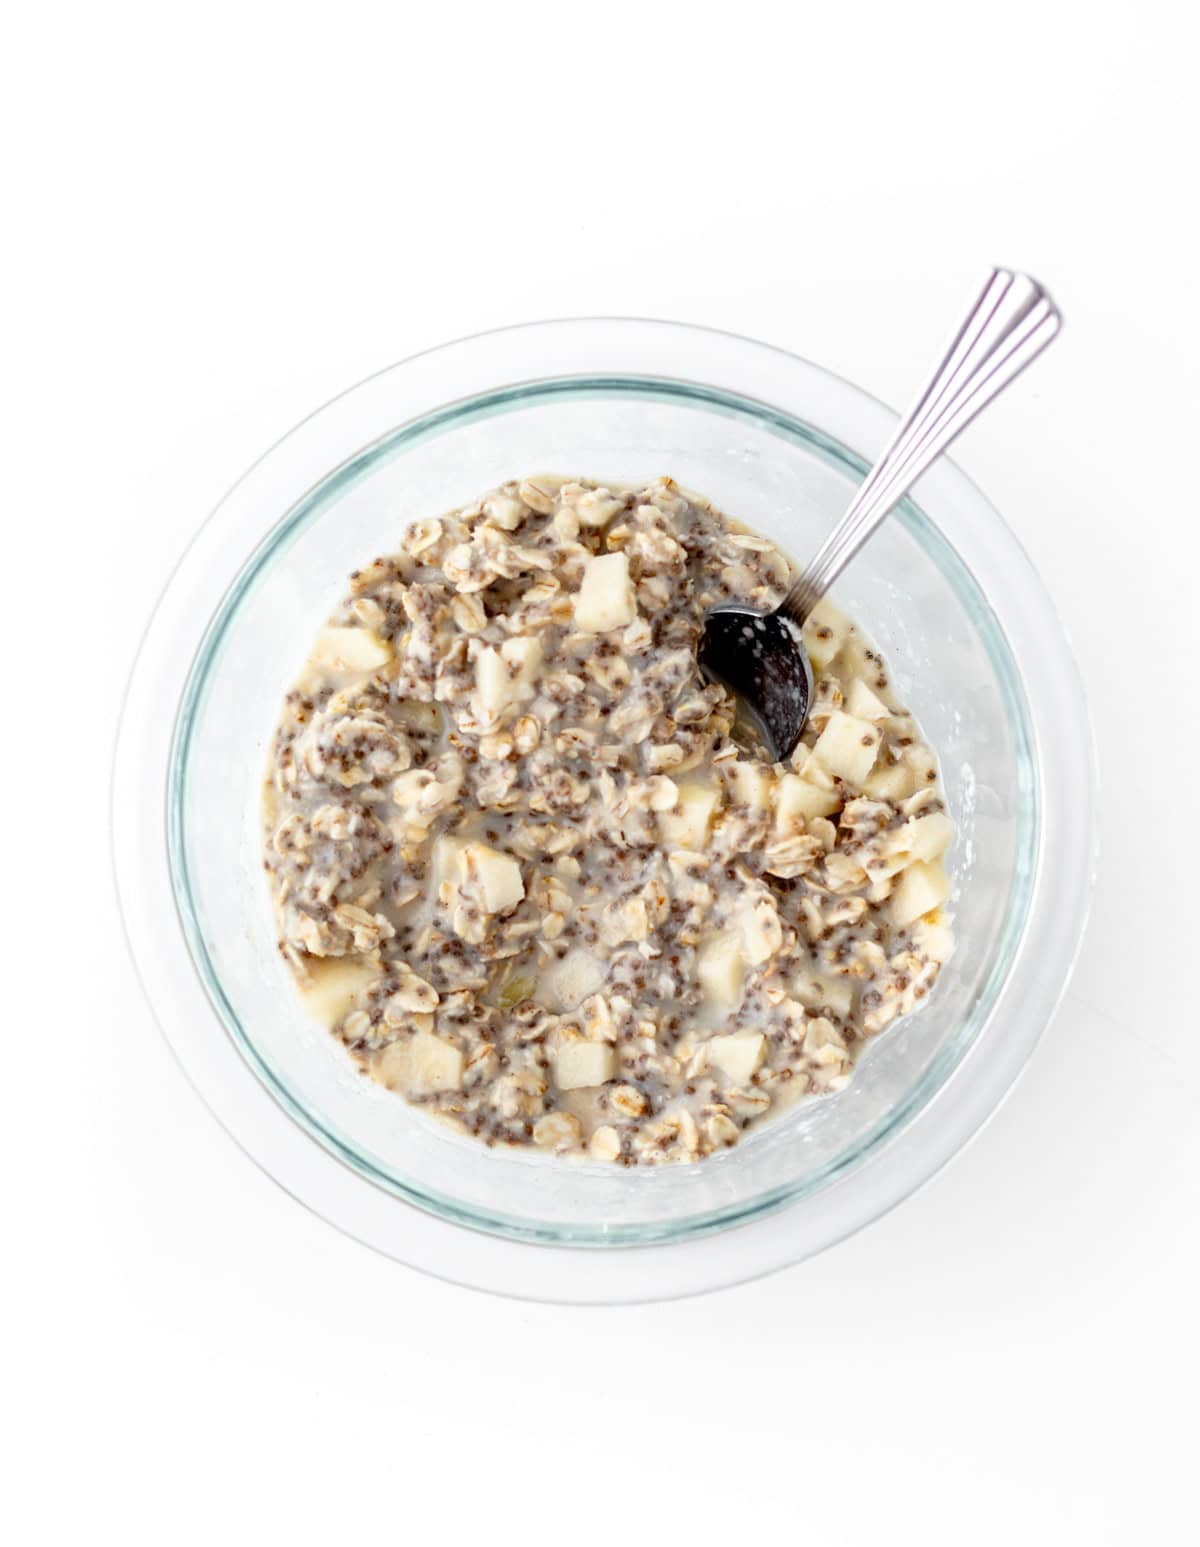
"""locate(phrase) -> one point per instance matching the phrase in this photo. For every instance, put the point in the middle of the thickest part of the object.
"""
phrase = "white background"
(220, 215)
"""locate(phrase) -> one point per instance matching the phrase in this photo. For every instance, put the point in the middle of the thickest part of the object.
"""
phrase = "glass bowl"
(945, 591)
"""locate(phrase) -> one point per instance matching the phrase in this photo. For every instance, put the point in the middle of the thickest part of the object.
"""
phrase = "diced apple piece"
(606, 598)
(762, 932)
(815, 991)
(848, 747)
(920, 760)
(566, 983)
(749, 784)
(596, 506)
(506, 676)
(687, 826)
(890, 783)
(421, 716)
(525, 653)
(891, 862)
(860, 701)
(797, 801)
(738, 1056)
(661, 794)
(853, 664)
(578, 1065)
(447, 861)
(934, 939)
(421, 1065)
(494, 877)
(824, 632)
(928, 837)
(333, 985)
(921, 888)
(823, 1042)
(814, 772)
(503, 510)
(492, 680)
(720, 967)
(605, 1144)
(351, 649)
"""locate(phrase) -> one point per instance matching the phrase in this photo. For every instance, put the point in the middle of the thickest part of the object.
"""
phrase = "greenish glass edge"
(332, 487)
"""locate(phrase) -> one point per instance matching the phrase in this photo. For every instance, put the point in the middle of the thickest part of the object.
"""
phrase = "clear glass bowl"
(944, 589)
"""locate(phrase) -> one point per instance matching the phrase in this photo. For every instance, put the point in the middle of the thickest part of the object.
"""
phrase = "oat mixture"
(531, 875)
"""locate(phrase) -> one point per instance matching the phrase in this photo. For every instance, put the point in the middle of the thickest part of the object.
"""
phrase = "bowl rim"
(182, 834)
(468, 358)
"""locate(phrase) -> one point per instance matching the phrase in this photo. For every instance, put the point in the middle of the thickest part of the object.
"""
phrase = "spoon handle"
(1009, 325)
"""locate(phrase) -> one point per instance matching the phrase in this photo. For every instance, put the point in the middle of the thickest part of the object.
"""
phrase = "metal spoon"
(761, 656)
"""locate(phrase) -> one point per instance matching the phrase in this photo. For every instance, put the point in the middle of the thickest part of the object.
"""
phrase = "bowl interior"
(909, 590)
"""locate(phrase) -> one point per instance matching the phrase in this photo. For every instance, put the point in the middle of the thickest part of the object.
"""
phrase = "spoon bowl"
(761, 659)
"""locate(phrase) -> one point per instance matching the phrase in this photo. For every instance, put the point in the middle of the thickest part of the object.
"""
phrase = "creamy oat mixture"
(532, 876)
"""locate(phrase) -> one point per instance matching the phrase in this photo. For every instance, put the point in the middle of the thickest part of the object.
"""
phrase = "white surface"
(221, 218)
